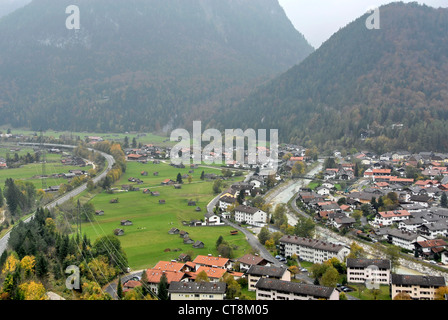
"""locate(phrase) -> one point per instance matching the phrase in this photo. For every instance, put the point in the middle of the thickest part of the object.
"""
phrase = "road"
(110, 162)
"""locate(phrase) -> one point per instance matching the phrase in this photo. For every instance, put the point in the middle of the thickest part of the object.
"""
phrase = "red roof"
(211, 261)
(169, 266)
(396, 213)
(155, 275)
(215, 273)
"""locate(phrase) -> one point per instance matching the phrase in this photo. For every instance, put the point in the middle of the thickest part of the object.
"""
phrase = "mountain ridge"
(164, 58)
(362, 81)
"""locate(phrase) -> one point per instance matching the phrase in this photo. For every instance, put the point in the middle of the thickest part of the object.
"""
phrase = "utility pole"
(44, 161)
(78, 222)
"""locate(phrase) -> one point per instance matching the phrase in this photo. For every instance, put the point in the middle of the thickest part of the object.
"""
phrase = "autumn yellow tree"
(33, 291)
(92, 291)
(440, 293)
(27, 264)
(11, 263)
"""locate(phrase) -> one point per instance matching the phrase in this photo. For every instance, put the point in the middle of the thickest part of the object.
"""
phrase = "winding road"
(110, 162)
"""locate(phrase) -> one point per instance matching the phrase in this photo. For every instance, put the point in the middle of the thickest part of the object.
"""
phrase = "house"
(377, 271)
(197, 290)
(418, 287)
(225, 202)
(430, 249)
(214, 274)
(432, 230)
(250, 215)
(167, 182)
(183, 234)
(387, 218)
(183, 257)
(135, 157)
(188, 240)
(153, 278)
(323, 191)
(198, 245)
(191, 203)
(257, 272)
(155, 193)
(99, 212)
(273, 289)
(249, 260)
(118, 232)
(211, 261)
(343, 222)
(171, 266)
(403, 238)
(174, 231)
(312, 250)
(162, 201)
(126, 223)
(212, 219)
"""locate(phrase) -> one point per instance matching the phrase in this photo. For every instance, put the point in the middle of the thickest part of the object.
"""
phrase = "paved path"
(110, 162)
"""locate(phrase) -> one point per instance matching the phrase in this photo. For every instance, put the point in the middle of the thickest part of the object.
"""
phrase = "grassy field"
(147, 241)
(361, 292)
(144, 138)
(30, 172)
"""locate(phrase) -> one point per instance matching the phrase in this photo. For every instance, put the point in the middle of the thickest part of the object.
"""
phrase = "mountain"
(8, 6)
(138, 64)
(380, 89)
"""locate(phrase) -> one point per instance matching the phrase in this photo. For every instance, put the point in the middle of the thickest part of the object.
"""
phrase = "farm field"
(147, 241)
(145, 138)
(29, 172)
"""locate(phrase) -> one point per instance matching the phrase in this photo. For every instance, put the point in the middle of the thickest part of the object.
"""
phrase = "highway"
(110, 162)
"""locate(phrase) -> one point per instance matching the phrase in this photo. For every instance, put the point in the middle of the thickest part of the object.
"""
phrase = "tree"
(119, 289)
(110, 246)
(2, 201)
(440, 293)
(305, 228)
(443, 200)
(233, 288)
(393, 254)
(12, 195)
(330, 277)
(356, 251)
(179, 178)
(264, 235)
(202, 175)
(202, 277)
(33, 291)
(402, 296)
(217, 186)
(162, 288)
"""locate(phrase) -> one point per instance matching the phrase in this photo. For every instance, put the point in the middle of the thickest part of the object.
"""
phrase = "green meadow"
(29, 172)
(147, 241)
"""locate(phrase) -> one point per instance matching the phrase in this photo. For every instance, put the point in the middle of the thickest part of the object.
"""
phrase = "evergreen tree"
(202, 175)
(2, 202)
(119, 289)
(219, 241)
(41, 266)
(179, 178)
(12, 196)
(444, 200)
(163, 288)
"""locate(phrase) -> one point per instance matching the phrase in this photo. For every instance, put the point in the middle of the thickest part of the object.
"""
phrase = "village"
(398, 199)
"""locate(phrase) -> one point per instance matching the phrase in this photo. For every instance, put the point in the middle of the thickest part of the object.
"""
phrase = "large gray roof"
(406, 279)
(294, 287)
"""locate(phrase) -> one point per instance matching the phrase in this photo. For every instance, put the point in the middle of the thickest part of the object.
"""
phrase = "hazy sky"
(318, 20)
